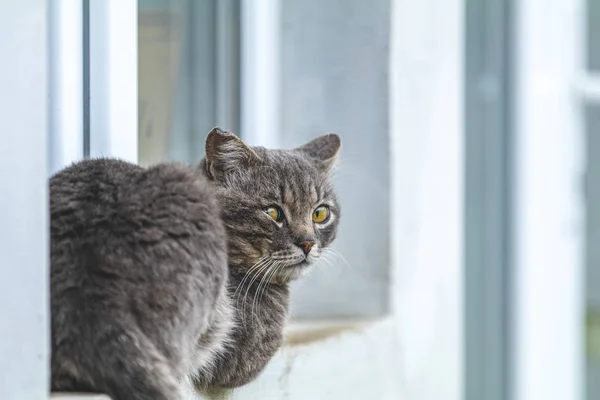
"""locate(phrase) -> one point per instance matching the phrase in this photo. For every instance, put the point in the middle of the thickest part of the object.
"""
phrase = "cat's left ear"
(226, 152)
(324, 149)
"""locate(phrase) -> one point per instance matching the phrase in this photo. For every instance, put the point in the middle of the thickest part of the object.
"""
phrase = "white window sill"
(351, 359)
(345, 359)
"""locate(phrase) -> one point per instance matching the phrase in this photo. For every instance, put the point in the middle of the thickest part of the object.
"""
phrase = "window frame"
(548, 224)
(113, 83)
(587, 88)
(24, 231)
(66, 139)
(260, 41)
(427, 122)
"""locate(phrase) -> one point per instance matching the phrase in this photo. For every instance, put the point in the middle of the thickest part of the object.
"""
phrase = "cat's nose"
(306, 245)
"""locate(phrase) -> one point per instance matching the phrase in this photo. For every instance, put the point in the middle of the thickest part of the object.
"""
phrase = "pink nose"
(306, 246)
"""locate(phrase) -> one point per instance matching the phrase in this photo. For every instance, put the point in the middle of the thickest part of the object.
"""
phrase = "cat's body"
(175, 272)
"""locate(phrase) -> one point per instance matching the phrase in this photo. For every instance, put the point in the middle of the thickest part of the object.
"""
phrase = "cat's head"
(279, 206)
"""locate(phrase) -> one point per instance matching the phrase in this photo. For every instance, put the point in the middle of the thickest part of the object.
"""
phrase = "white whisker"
(264, 282)
(257, 265)
(256, 275)
(337, 253)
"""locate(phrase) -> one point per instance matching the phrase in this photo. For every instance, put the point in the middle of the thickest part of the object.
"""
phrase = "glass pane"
(334, 78)
(593, 253)
(178, 82)
(593, 34)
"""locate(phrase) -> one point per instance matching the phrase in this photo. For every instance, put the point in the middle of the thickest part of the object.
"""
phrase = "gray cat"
(172, 272)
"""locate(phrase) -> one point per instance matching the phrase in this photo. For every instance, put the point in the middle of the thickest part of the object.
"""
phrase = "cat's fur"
(173, 272)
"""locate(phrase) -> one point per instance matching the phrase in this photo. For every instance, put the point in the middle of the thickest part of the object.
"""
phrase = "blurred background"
(469, 247)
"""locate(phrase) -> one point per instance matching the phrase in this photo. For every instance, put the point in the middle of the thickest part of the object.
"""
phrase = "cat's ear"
(324, 149)
(225, 152)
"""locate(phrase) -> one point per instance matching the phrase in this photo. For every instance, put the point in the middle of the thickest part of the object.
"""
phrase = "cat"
(171, 273)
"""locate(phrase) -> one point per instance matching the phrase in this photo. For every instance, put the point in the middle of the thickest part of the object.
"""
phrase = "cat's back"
(110, 191)
(112, 196)
(138, 259)
(127, 236)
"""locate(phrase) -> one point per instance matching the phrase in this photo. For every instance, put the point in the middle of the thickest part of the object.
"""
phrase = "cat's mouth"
(289, 267)
(304, 261)
(292, 269)
(295, 271)
(301, 263)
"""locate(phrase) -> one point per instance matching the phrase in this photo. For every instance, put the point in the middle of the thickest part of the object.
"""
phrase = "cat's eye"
(275, 213)
(321, 214)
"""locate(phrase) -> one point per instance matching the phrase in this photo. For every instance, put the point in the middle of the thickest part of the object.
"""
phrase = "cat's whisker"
(337, 253)
(256, 275)
(256, 265)
(331, 258)
(263, 283)
(237, 294)
(328, 261)
(267, 281)
(251, 273)
(254, 269)
(241, 283)
(325, 255)
(260, 283)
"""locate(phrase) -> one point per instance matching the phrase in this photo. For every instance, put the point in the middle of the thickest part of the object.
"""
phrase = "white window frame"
(549, 230)
(113, 83)
(66, 139)
(24, 265)
(260, 87)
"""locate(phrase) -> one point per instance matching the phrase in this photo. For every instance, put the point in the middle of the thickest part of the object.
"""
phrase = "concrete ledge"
(324, 360)
(319, 360)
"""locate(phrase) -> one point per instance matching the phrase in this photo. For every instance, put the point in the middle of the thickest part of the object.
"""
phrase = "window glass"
(178, 81)
(593, 35)
(593, 252)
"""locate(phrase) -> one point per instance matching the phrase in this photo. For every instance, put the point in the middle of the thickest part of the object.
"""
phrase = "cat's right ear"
(226, 152)
(323, 149)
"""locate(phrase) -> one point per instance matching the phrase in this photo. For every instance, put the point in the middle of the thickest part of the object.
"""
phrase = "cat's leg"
(123, 364)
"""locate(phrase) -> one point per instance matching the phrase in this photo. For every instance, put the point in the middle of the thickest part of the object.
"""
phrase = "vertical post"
(66, 83)
(548, 222)
(113, 79)
(260, 123)
(228, 64)
(488, 199)
(24, 274)
(427, 159)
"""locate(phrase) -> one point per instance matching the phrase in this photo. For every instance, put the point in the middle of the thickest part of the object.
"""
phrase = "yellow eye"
(275, 213)
(321, 215)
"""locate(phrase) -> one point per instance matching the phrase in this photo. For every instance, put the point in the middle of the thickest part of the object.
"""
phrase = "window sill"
(351, 358)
